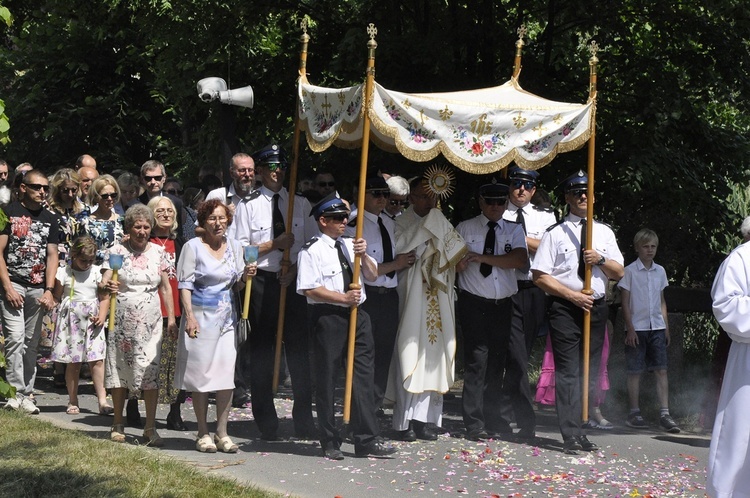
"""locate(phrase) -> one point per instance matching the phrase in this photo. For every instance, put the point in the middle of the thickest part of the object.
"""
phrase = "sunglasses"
(578, 192)
(495, 201)
(379, 194)
(277, 167)
(173, 191)
(527, 184)
(37, 187)
(326, 184)
(148, 179)
(394, 202)
(338, 217)
(113, 195)
(69, 190)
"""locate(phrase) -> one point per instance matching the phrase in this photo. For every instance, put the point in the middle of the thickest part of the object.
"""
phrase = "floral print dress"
(134, 345)
(106, 233)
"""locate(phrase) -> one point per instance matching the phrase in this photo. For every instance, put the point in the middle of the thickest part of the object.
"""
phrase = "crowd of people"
(142, 281)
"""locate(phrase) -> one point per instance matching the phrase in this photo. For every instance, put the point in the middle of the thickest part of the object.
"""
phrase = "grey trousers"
(22, 329)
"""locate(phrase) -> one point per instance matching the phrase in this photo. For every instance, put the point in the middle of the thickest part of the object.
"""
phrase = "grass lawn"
(41, 460)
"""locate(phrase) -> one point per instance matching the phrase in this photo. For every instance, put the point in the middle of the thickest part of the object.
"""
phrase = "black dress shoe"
(175, 422)
(306, 432)
(375, 449)
(269, 436)
(587, 445)
(477, 435)
(408, 435)
(571, 445)
(333, 452)
(132, 415)
(424, 431)
(241, 401)
(525, 434)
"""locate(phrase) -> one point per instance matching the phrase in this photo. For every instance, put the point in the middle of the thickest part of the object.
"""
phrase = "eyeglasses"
(527, 184)
(113, 195)
(173, 191)
(578, 192)
(157, 178)
(394, 202)
(276, 167)
(69, 190)
(495, 201)
(245, 171)
(37, 187)
(214, 219)
(379, 194)
(326, 184)
(337, 217)
(163, 211)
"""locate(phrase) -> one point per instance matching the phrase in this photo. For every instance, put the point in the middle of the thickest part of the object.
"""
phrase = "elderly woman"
(133, 347)
(104, 224)
(210, 266)
(165, 234)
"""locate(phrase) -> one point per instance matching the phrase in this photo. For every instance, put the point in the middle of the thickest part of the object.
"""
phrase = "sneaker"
(669, 425)
(636, 421)
(13, 404)
(28, 406)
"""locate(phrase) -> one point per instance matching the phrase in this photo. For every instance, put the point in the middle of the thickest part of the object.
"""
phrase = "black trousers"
(566, 329)
(264, 314)
(529, 310)
(485, 326)
(382, 306)
(330, 325)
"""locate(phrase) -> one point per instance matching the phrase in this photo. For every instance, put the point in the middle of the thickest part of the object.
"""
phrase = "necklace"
(161, 240)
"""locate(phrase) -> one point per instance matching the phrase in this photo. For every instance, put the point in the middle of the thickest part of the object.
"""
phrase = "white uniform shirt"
(255, 224)
(537, 220)
(645, 286)
(318, 265)
(227, 197)
(559, 250)
(371, 233)
(501, 283)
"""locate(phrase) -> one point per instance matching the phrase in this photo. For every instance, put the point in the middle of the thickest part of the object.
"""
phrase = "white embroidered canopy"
(479, 131)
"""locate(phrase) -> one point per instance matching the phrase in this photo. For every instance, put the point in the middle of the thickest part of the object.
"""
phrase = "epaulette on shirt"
(549, 228)
(352, 223)
(542, 209)
(310, 242)
(253, 195)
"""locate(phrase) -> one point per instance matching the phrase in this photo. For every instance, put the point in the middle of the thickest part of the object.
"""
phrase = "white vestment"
(729, 457)
(424, 357)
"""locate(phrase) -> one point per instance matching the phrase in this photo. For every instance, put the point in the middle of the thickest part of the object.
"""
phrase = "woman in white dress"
(210, 268)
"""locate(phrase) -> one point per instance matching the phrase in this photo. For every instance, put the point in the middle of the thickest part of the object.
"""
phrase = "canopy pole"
(593, 61)
(367, 102)
(519, 49)
(285, 263)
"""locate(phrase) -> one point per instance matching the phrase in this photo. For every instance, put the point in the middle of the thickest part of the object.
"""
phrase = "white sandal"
(205, 445)
(225, 444)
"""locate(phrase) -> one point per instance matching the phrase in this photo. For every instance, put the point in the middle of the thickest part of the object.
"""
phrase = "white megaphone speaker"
(210, 89)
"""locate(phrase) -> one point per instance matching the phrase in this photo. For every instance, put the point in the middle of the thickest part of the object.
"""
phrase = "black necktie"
(346, 270)
(520, 219)
(278, 219)
(581, 261)
(387, 248)
(489, 248)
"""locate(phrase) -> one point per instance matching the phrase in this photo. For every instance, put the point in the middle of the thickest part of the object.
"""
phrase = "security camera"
(210, 89)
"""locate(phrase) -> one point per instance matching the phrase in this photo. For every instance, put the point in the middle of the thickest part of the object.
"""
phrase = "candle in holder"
(251, 256)
(115, 263)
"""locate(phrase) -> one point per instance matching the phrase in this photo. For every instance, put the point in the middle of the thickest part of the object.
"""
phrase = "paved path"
(630, 464)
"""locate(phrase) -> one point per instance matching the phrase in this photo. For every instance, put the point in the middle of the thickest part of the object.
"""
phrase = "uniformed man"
(486, 282)
(261, 221)
(528, 302)
(382, 295)
(558, 270)
(324, 277)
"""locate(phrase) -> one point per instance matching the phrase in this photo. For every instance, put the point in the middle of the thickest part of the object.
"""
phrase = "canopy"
(479, 131)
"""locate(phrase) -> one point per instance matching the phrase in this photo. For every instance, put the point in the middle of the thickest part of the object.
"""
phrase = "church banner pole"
(367, 102)
(285, 263)
(589, 233)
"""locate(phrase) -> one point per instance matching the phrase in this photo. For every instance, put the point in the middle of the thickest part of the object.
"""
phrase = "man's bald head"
(85, 161)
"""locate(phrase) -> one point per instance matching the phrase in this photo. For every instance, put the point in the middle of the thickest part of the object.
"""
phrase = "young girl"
(79, 332)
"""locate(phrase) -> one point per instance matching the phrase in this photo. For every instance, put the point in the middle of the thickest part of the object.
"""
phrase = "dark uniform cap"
(575, 181)
(270, 154)
(377, 183)
(516, 173)
(493, 191)
(330, 205)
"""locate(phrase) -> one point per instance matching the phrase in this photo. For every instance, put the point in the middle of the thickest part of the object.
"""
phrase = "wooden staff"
(589, 232)
(367, 102)
(115, 263)
(285, 263)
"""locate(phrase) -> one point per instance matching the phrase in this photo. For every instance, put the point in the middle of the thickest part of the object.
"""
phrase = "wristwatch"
(51, 289)
(601, 261)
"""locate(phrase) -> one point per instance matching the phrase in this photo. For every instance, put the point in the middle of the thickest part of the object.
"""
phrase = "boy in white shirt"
(647, 336)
